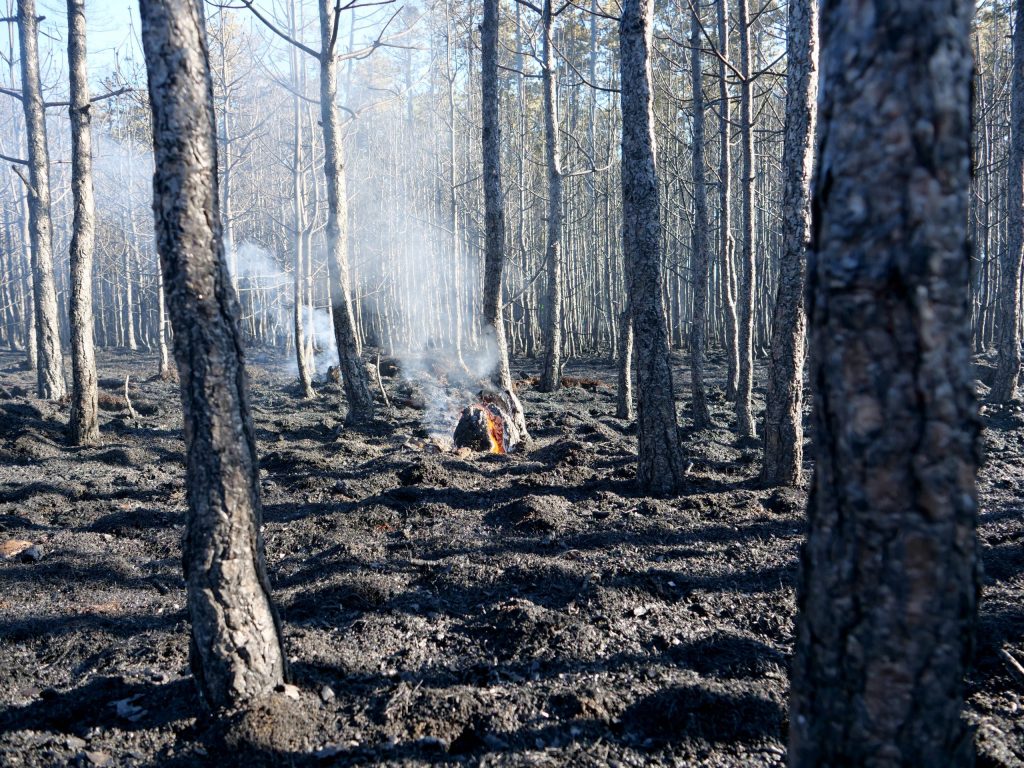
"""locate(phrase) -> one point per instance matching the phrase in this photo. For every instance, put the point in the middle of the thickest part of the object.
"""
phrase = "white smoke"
(254, 269)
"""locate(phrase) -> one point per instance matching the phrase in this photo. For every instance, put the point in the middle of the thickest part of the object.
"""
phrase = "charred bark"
(355, 380)
(783, 420)
(551, 376)
(660, 461)
(747, 265)
(1004, 385)
(50, 384)
(84, 423)
(889, 584)
(237, 653)
(698, 336)
(494, 204)
(624, 392)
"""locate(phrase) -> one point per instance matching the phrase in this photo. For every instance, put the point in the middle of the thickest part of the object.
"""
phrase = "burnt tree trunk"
(237, 653)
(698, 336)
(354, 377)
(84, 423)
(551, 376)
(50, 384)
(1004, 384)
(889, 584)
(494, 203)
(660, 460)
(726, 241)
(624, 392)
(747, 265)
(494, 206)
(783, 420)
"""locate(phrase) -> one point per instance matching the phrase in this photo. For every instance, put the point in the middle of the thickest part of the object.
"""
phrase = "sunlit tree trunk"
(354, 377)
(237, 654)
(299, 208)
(494, 203)
(50, 384)
(551, 375)
(725, 237)
(783, 421)
(698, 337)
(84, 423)
(745, 336)
(660, 461)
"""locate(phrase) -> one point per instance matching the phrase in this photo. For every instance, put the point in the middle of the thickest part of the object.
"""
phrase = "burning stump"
(490, 425)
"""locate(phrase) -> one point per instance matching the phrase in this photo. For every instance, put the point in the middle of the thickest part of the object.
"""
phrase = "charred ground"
(502, 610)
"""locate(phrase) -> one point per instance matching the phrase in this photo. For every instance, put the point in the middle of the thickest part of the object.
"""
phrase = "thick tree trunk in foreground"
(698, 336)
(354, 377)
(50, 383)
(84, 424)
(551, 376)
(745, 334)
(236, 643)
(1004, 385)
(660, 460)
(889, 587)
(783, 420)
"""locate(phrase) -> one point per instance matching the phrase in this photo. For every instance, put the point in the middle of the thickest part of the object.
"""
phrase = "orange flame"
(495, 431)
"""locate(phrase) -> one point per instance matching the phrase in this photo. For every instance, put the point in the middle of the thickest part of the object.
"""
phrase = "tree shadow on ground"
(94, 705)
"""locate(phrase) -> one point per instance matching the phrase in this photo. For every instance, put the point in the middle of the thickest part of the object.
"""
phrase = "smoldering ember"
(511, 383)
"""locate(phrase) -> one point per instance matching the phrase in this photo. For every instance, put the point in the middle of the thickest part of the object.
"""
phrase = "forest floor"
(528, 609)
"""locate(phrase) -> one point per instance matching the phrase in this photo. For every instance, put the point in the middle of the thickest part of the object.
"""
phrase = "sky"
(111, 28)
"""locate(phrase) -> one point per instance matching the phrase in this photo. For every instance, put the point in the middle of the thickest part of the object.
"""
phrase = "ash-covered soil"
(528, 609)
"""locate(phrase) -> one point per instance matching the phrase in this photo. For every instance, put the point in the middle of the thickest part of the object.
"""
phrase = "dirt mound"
(536, 514)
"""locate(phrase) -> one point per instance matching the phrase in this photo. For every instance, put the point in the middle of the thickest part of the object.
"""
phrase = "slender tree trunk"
(889, 588)
(726, 242)
(745, 380)
(50, 383)
(354, 376)
(551, 376)
(494, 203)
(698, 339)
(164, 370)
(28, 277)
(84, 424)
(660, 460)
(299, 207)
(783, 421)
(1004, 385)
(624, 394)
(494, 208)
(237, 654)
